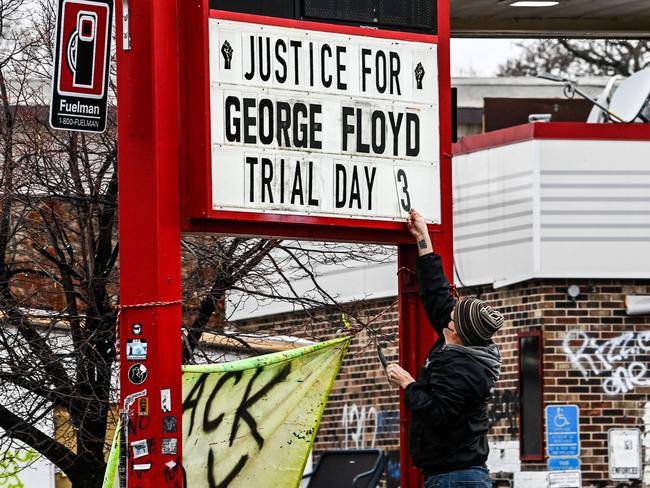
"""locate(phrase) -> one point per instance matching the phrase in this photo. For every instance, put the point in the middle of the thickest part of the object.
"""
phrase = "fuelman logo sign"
(82, 58)
(319, 123)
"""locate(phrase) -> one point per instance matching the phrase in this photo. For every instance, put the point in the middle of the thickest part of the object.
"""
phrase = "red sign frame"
(198, 215)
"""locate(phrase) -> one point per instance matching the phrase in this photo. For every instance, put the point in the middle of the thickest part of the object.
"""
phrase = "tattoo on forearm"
(422, 244)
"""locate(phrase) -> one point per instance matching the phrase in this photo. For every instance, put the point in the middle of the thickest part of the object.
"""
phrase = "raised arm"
(435, 291)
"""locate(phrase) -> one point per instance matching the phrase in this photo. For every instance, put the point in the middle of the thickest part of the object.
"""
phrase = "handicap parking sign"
(562, 430)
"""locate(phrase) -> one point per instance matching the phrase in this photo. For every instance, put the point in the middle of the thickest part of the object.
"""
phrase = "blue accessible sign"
(563, 464)
(562, 431)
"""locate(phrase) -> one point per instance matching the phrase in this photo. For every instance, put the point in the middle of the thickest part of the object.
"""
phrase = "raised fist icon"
(226, 51)
(419, 75)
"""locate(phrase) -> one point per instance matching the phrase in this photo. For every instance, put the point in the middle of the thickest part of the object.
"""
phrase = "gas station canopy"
(567, 18)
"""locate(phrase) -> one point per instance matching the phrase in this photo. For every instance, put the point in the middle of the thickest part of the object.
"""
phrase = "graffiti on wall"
(504, 405)
(616, 361)
(11, 463)
(362, 426)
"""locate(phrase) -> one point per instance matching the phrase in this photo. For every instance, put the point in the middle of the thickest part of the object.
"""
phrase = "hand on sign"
(226, 51)
(398, 376)
(418, 229)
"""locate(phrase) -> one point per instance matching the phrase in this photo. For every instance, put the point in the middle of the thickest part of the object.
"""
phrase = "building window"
(531, 408)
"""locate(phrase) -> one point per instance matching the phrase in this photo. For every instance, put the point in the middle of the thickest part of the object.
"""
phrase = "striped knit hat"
(476, 321)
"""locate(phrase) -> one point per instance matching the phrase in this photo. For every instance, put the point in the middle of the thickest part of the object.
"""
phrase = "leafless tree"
(59, 290)
(579, 57)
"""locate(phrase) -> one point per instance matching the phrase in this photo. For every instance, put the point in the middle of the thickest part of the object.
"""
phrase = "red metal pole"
(149, 214)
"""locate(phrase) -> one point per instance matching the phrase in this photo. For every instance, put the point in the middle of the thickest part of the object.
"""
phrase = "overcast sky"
(480, 57)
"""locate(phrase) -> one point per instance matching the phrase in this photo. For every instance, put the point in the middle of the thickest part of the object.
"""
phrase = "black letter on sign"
(297, 186)
(378, 132)
(327, 80)
(283, 124)
(380, 71)
(280, 43)
(314, 126)
(355, 192)
(394, 72)
(401, 178)
(263, 75)
(310, 199)
(252, 161)
(361, 146)
(233, 131)
(412, 120)
(296, 64)
(249, 121)
(364, 69)
(265, 121)
(340, 68)
(347, 128)
(299, 130)
(370, 181)
(251, 73)
(267, 178)
(340, 189)
(395, 125)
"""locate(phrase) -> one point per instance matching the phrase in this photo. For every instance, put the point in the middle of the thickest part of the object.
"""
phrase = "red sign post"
(185, 114)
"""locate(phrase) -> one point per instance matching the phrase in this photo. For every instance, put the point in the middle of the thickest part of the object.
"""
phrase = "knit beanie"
(476, 321)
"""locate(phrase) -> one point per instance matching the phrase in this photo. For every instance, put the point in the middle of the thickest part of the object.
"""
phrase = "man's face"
(449, 332)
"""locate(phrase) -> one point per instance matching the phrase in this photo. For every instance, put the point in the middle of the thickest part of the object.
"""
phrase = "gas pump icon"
(81, 49)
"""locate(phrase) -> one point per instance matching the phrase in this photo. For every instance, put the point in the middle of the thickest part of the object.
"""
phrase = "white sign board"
(624, 454)
(564, 479)
(306, 122)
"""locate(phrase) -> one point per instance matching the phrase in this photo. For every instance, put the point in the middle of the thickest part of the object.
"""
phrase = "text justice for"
(299, 125)
(376, 65)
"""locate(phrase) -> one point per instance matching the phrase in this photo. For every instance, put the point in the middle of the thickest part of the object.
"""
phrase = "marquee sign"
(321, 123)
(312, 123)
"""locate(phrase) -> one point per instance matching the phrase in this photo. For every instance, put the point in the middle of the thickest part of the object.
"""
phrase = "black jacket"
(448, 402)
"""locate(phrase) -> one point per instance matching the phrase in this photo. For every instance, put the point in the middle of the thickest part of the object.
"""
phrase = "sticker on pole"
(81, 63)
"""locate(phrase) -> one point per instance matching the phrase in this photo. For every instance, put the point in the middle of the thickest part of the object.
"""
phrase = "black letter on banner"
(347, 128)
(212, 483)
(340, 198)
(265, 121)
(233, 131)
(412, 119)
(394, 72)
(297, 186)
(265, 76)
(364, 70)
(314, 126)
(378, 137)
(249, 76)
(190, 403)
(340, 68)
(267, 178)
(252, 161)
(247, 402)
(296, 62)
(249, 121)
(283, 123)
(299, 130)
(210, 425)
(361, 146)
(280, 43)
(327, 80)
(395, 125)
(380, 71)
